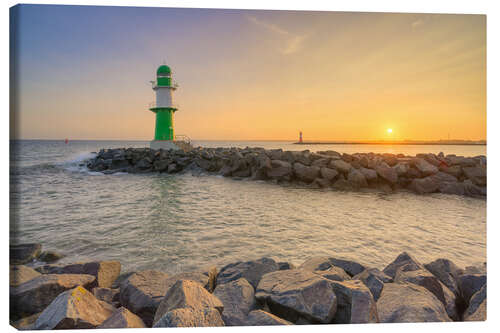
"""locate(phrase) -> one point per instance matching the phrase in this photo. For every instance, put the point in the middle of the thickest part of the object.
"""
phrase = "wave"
(75, 163)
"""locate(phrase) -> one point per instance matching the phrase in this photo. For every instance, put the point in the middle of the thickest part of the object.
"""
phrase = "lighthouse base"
(163, 144)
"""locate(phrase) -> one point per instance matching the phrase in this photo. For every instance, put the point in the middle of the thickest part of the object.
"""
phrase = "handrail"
(173, 84)
(152, 105)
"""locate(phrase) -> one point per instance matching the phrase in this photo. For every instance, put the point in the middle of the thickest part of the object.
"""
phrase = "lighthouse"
(164, 109)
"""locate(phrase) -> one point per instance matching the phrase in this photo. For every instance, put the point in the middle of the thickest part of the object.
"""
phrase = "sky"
(83, 72)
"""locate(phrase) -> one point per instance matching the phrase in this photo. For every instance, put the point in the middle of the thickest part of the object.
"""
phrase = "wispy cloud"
(417, 23)
(293, 42)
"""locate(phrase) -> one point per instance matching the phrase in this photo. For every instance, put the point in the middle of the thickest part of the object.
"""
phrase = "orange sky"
(252, 75)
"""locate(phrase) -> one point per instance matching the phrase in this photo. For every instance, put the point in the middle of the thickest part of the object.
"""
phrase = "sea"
(186, 222)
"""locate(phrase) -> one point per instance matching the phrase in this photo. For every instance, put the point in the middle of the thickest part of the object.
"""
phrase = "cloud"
(293, 42)
(417, 23)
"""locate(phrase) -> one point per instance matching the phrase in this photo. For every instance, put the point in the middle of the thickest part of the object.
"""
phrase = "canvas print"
(175, 167)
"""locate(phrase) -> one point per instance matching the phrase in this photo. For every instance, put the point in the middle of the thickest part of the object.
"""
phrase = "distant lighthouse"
(164, 109)
(300, 137)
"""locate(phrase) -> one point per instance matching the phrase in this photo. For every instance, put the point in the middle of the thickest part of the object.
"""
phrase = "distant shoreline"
(434, 143)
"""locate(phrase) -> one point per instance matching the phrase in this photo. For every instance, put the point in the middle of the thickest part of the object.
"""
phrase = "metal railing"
(184, 138)
(153, 105)
(173, 84)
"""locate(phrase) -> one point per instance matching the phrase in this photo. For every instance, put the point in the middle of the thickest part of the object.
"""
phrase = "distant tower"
(164, 109)
(300, 137)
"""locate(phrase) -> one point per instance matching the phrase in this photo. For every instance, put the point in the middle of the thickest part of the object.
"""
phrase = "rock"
(188, 317)
(36, 294)
(252, 271)
(107, 295)
(452, 188)
(238, 299)
(409, 303)
(187, 294)
(321, 162)
(374, 279)
(424, 185)
(451, 303)
(324, 263)
(23, 253)
(476, 174)
(425, 167)
(295, 293)
(479, 314)
(328, 174)
(305, 173)
(370, 175)
(316, 264)
(455, 170)
(340, 166)
(476, 269)
(446, 271)
(357, 179)
(193, 276)
(26, 323)
(334, 273)
(476, 301)
(355, 303)
(401, 169)
(50, 256)
(75, 308)
(279, 170)
(387, 173)
(342, 184)
(263, 318)
(472, 189)
(123, 318)
(142, 293)
(404, 259)
(285, 265)
(350, 267)
(105, 272)
(211, 272)
(469, 284)
(20, 274)
(423, 278)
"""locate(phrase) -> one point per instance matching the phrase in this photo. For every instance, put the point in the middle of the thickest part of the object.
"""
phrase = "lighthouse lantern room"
(164, 109)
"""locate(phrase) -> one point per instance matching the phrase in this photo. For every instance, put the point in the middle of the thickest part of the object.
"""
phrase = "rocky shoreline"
(266, 291)
(423, 173)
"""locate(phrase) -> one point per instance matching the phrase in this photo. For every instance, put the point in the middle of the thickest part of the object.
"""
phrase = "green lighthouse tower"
(164, 109)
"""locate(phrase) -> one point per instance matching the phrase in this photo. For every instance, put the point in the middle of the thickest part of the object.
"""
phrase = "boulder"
(409, 303)
(424, 185)
(423, 278)
(211, 272)
(279, 170)
(199, 277)
(19, 274)
(324, 263)
(425, 167)
(374, 279)
(23, 253)
(321, 162)
(342, 184)
(105, 272)
(471, 189)
(355, 303)
(75, 308)
(50, 256)
(349, 266)
(263, 318)
(142, 293)
(295, 293)
(454, 170)
(328, 174)
(123, 318)
(285, 265)
(476, 301)
(446, 271)
(189, 317)
(340, 166)
(357, 179)
(108, 295)
(334, 273)
(451, 303)
(387, 173)
(305, 173)
(479, 314)
(316, 264)
(36, 294)
(187, 294)
(404, 259)
(401, 169)
(252, 271)
(370, 175)
(452, 188)
(238, 299)
(26, 323)
(476, 174)
(469, 284)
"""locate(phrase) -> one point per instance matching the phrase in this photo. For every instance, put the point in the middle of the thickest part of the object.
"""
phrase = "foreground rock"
(35, 295)
(374, 279)
(325, 263)
(469, 284)
(409, 303)
(105, 272)
(263, 318)
(252, 271)
(403, 260)
(187, 294)
(477, 306)
(24, 253)
(238, 298)
(20, 274)
(446, 271)
(355, 303)
(50, 256)
(142, 293)
(75, 308)
(123, 318)
(293, 294)
(189, 317)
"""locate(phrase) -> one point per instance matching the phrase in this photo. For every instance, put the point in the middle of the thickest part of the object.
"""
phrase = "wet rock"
(424, 185)
(285, 265)
(36, 294)
(20, 274)
(355, 303)
(24, 253)
(469, 284)
(75, 308)
(342, 184)
(123, 318)
(105, 272)
(295, 293)
(446, 271)
(187, 294)
(142, 293)
(475, 303)
(263, 318)
(425, 167)
(422, 278)
(404, 259)
(471, 189)
(305, 173)
(387, 173)
(476, 174)
(50, 256)
(238, 299)
(340, 166)
(189, 317)
(452, 188)
(357, 179)
(374, 279)
(409, 303)
(252, 271)
(328, 174)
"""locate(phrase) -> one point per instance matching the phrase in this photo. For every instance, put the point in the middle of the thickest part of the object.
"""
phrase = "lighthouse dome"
(163, 70)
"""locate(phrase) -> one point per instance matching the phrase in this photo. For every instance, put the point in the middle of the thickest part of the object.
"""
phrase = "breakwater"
(423, 173)
(265, 291)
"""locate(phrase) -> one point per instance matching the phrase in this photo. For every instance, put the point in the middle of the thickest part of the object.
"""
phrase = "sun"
(389, 130)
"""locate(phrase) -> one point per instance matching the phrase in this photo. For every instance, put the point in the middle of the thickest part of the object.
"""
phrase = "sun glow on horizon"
(389, 131)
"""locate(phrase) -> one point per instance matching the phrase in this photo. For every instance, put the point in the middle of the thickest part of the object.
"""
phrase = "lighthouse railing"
(182, 138)
(152, 105)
